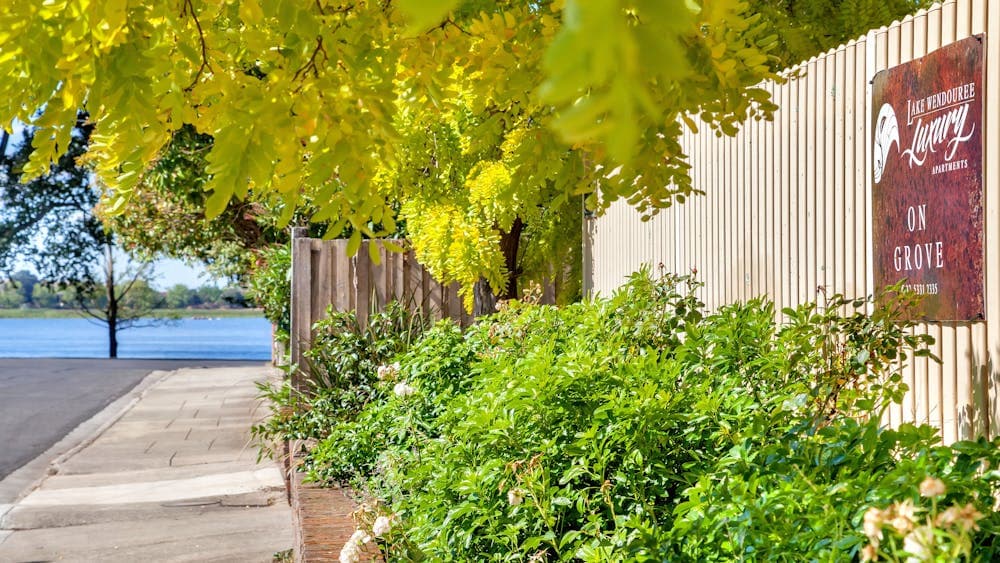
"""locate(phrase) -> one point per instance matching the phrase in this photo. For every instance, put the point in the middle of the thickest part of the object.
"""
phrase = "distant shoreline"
(156, 313)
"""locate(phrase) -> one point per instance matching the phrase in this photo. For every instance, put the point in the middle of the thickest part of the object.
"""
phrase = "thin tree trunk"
(510, 242)
(4, 138)
(109, 280)
(112, 337)
(484, 300)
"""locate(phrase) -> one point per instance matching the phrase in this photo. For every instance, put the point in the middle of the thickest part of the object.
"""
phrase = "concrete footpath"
(171, 476)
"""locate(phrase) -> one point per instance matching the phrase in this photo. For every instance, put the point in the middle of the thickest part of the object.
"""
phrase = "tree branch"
(452, 23)
(311, 63)
(28, 223)
(201, 38)
(86, 311)
(132, 281)
(342, 9)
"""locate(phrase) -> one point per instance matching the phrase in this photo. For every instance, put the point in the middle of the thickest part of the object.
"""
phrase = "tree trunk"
(112, 336)
(484, 300)
(510, 241)
(4, 138)
(109, 280)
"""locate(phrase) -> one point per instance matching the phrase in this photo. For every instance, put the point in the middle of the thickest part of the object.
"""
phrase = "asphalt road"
(42, 400)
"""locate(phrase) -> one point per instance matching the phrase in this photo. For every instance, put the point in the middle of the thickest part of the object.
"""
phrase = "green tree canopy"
(324, 102)
(808, 27)
(165, 213)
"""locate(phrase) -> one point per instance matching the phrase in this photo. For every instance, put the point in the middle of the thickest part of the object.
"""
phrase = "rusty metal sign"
(927, 165)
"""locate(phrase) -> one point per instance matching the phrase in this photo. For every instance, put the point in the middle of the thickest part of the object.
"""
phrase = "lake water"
(231, 338)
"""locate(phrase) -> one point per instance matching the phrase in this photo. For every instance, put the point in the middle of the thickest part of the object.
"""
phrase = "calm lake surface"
(233, 338)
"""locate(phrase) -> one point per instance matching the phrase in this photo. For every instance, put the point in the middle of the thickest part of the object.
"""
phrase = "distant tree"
(51, 297)
(142, 297)
(234, 297)
(50, 222)
(10, 298)
(24, 284)
(116, 296)
(210, 295)
(180, 296)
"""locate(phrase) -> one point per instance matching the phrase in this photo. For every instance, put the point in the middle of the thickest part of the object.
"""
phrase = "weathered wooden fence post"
(301, 329)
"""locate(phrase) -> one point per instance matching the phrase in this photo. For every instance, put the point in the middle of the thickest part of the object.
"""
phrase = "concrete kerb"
(25, 479)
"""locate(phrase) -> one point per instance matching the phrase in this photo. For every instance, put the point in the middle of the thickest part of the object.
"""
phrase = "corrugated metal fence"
(788, 208)
(324, 275)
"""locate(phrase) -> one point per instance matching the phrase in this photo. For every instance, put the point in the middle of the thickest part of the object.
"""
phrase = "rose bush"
(643, 427)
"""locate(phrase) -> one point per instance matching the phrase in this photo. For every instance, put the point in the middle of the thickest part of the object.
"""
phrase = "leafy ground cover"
(642, 427)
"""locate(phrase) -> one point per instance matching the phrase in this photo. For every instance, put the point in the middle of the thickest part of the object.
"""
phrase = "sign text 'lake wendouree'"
(928, 180)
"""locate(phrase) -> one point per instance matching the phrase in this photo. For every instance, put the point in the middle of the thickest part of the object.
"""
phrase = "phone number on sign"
(922, 288)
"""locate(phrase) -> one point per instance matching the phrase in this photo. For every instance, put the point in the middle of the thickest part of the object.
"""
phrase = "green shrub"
(543, 387)
(807, 492)
(345, 361)
(345, 354)
(437, 366)
(642, 427)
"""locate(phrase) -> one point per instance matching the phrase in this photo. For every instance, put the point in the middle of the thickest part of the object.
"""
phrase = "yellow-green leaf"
(373, 252)
(424, 14)
(354, 243)
(392, 246)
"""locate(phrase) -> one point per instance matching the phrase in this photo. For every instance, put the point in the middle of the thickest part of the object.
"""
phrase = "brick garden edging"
(322, 518)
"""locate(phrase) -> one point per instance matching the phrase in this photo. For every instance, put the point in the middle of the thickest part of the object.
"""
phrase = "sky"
(166, 273)
(170, 272)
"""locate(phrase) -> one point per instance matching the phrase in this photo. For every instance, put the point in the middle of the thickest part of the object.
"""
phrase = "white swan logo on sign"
(886, 133)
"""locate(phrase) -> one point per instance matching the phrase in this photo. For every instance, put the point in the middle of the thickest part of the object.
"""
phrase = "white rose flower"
(918, 544)
(351, 552)
(965, 517)
(382, 526)
(388, 372)
(903, 518)
(873, 523)
(931, 487)
(402, 389)
(515, 497)
(360, 537)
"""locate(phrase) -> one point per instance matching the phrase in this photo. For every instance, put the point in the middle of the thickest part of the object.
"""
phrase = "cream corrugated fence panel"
(787, 210)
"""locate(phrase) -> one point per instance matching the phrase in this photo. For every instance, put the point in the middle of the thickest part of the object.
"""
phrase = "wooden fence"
(788, 208)
(323, 275)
